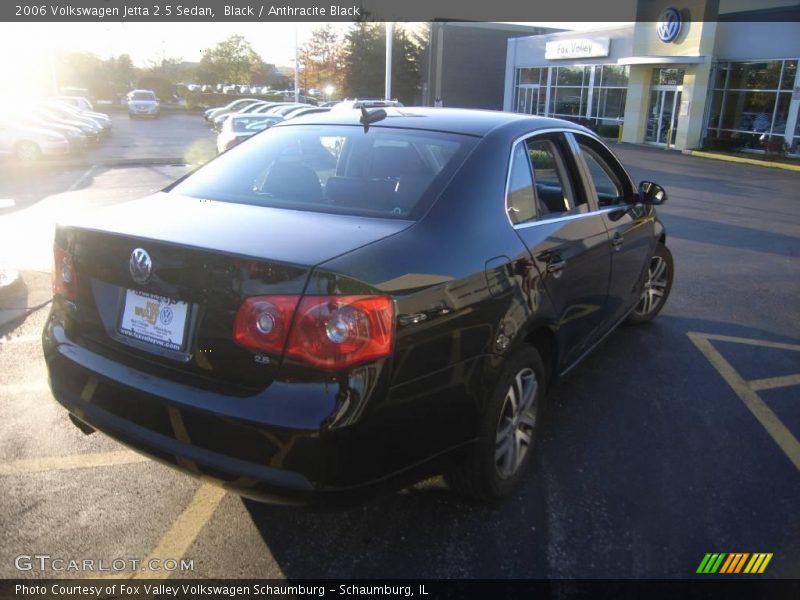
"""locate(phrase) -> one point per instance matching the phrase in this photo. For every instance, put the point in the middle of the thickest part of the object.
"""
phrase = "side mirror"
(652, 193)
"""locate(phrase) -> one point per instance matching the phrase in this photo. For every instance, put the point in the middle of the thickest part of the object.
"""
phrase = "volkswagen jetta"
(355, 300)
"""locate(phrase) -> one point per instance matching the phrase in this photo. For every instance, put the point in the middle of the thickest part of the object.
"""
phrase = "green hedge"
(722, 144)
(608, 131)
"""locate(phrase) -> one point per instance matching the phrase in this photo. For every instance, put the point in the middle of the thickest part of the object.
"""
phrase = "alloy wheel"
(654, 287)
(516, 425)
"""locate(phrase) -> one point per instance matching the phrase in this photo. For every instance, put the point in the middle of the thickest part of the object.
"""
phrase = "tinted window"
(520, 203)
(143, 96)
(382, 172)
(554, 191)
(609, 179)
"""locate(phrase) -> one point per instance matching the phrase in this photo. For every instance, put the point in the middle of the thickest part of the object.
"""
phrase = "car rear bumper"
(249, 445)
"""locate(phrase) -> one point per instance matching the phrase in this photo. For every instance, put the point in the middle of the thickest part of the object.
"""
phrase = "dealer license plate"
(154, 319)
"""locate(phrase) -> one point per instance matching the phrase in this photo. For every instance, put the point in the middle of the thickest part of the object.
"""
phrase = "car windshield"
(143, 96)
(383, 172)
(254, 123)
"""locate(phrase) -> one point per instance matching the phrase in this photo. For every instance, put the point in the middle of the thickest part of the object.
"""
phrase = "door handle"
(617, 241)
(556, 266)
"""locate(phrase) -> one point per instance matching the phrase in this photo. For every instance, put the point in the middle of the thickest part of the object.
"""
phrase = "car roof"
(453, 120)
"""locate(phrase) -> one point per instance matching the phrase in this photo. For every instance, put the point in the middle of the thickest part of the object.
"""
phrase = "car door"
(567, 239)
(631, 226)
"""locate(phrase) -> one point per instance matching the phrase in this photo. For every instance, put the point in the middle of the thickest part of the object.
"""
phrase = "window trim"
(588, 182)
(591, 195)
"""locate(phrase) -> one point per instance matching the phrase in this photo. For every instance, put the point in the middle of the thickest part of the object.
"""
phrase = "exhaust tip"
(87, 429)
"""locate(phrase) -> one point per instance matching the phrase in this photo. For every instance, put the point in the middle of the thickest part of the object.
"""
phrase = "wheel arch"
(545, 341)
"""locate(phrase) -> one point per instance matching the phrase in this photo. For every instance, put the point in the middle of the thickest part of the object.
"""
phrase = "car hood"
(289, 236)
(143, 103)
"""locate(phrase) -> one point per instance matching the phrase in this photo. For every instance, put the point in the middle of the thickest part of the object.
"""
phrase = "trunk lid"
(205, 258)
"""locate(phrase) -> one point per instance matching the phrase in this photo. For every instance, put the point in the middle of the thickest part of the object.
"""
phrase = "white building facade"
(673, 82)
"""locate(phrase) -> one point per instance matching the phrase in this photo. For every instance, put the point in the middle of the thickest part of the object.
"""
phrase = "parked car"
(78, 102)
(240, 126)
(76, 138)
(102, 120)
(49, 114)
(143, 103)
(351, 301)
(299, 111)
(235, 106)
(29, 144)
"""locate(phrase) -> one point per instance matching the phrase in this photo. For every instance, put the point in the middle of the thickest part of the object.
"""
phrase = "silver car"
(29, 144)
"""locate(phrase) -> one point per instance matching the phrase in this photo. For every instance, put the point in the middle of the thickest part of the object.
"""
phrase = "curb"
(742, 160)
(112, 162)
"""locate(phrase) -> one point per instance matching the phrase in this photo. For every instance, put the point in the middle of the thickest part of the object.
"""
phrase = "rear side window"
(382, 172)
(555, 194)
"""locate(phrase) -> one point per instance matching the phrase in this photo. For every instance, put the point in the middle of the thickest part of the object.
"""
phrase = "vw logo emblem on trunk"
(140, 266)
(669, 25)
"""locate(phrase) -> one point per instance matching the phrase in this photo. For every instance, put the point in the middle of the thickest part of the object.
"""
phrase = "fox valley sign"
(577, 48)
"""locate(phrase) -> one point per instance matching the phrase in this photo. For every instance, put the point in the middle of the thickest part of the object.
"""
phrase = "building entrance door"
(662, 118)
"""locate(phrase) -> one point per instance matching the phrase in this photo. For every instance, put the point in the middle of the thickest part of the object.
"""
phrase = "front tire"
(506, 433)
(657, 286)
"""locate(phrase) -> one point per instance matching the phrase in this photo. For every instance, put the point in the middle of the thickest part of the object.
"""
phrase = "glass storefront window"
(570, 91)
(613, 75)
(531, 75)
(754, 75)
(668, 77)
(748, 111)
(753, 108)
(572, 76)
(609, 103)
(789, 73)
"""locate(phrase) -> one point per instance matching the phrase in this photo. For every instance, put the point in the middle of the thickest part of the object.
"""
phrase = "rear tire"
(27, 152)
(657, 286)
(506, 433)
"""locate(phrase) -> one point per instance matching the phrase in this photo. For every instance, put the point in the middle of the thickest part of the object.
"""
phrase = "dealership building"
(683, 77)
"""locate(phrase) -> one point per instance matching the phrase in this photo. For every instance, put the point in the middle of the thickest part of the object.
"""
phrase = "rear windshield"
(143, 96)
(384, 172)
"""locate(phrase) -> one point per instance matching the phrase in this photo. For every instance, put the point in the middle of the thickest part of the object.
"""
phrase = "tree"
(321, 60)
(365, 62)
(232, 60)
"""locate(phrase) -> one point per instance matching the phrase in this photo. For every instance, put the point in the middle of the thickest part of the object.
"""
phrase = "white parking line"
(81, 179)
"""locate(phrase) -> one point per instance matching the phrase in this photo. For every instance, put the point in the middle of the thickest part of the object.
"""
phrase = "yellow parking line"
(75, 461)
(747, 341)
(185, 530)
(776, 429)
(770, 383)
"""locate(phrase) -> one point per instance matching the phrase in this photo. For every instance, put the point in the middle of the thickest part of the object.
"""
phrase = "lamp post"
(389, 36)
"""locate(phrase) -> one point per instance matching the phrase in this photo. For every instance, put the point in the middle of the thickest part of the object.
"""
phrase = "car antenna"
(368, 118)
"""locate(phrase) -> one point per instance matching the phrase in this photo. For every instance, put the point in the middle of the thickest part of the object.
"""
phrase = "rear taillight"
(65, 279)
(331, 332)
(263, 322)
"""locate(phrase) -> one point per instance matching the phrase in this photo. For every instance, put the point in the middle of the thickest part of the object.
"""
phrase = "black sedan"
(355, 300)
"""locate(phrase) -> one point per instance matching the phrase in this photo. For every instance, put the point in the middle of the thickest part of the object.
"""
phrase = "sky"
(148, 41)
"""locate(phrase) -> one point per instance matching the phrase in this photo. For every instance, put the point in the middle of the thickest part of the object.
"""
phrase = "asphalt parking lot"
(673, 440)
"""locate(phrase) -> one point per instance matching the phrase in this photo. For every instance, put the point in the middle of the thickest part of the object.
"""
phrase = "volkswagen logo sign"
(140, 266)
(669, 25)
